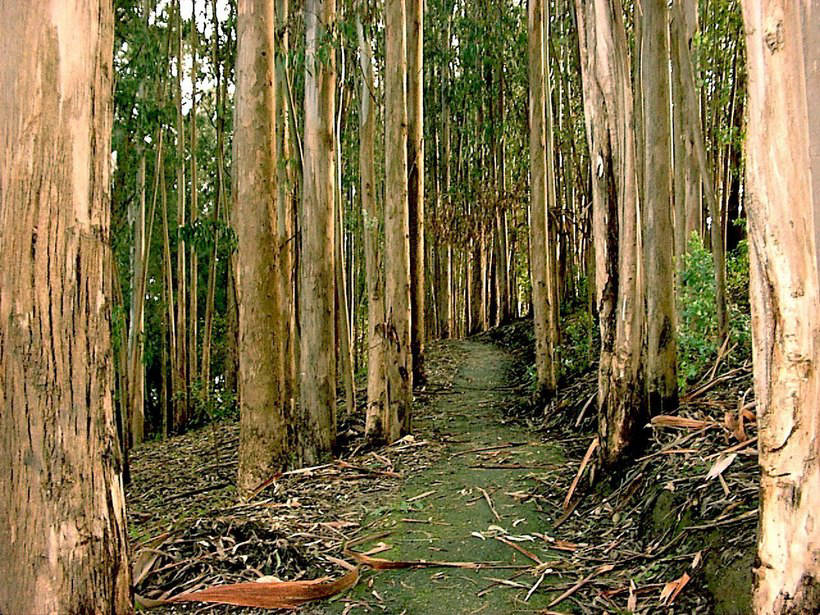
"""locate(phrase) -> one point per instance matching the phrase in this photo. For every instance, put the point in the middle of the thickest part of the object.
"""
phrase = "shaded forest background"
(172, 223)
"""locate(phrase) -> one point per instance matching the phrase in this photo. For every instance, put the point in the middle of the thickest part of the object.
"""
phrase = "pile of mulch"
(188, 531)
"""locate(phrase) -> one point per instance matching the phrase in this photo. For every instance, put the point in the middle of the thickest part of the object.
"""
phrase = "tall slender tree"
(263, 438)
(415, 185)
(316, 426)
(398, 357)
(608, 111)
(63, 538)
(782, 149)
(541, 195)
(661, 358)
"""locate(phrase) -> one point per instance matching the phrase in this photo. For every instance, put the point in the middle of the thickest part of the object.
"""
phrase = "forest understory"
(486, 478)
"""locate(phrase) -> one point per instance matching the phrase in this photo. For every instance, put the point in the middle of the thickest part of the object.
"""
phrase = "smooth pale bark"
(609, 115)
(540, 192)
(316, 426)
(398, 358)
(783, 158)
(372, 213)
(661, 357)
(63, 543)
(263, 446)
(415, 185)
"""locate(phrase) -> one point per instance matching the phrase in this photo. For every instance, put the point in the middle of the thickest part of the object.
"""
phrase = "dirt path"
(454, 509)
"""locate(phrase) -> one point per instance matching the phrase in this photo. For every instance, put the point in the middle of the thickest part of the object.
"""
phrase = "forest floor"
(483, 480)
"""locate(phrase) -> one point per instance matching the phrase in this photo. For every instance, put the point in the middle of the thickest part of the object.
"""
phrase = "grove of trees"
(262, 208)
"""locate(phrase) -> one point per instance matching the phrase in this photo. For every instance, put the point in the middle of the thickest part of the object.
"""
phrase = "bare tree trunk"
(136, 329)
(398, 356)
(376, 418)
(181, 418)
(193, 317)
(783, 43)
(316, 428)
(415, 161)
(63, 543)
(263, 437)
(540, 198)
(284, 202)
(608, 110)
(661, 359)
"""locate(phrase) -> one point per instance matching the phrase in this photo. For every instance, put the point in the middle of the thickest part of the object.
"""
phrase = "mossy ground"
(467, 417)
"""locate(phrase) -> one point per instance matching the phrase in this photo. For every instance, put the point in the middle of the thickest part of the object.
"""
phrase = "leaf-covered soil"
(483, 479)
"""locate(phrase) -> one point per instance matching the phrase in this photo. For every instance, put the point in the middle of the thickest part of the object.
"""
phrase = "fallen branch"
(592, 446)
(598, 571)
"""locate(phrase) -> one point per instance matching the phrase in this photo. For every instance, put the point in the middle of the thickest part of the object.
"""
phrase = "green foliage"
(578, 350)
(698, 341)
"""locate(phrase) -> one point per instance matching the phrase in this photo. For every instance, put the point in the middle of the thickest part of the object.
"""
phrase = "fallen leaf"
(720, 466)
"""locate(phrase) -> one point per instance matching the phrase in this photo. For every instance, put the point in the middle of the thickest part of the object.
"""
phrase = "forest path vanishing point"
(465, 507)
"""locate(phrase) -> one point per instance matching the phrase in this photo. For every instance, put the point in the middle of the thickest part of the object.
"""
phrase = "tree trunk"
(415, 185)
(783, 43)
(661, 359)
(193, 283)
(376, 419)
(263, 437)
(540, 195)
(136, 330)
(608, 110)
(398, 358)
(316, 428)
(181, 418)
(63, 538)
(284, 203)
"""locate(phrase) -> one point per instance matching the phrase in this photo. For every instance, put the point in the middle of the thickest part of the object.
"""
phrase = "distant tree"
(63, 539)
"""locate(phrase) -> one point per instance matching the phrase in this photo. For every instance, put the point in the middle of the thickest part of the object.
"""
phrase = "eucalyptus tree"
(398, 356)
(373, 225)
(658, 229)
(609, 116)
(316, 424)
(63, 542)
(542, 197)
(263, 433)
(414, 17)
(783, 42)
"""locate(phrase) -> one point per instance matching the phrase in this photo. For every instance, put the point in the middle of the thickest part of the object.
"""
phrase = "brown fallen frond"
(273, 595)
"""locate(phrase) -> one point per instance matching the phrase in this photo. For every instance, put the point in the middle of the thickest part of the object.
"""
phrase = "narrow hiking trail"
(463, 506)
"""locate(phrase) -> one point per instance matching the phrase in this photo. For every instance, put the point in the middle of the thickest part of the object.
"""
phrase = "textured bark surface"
(783, 153)
(62, 520)
(661, 358)
(540, 193)
(398, 360)
(608, 111)
(263, 437)
(373, 213)
(316, 426)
